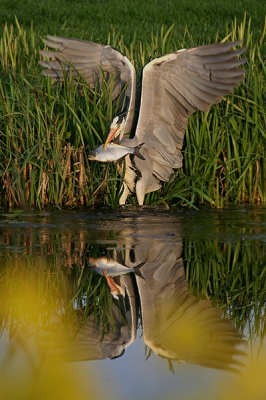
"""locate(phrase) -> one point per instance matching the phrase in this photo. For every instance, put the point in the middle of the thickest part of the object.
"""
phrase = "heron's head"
(116, 128)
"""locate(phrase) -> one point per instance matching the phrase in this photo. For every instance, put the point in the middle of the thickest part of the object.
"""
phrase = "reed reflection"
(85, 322)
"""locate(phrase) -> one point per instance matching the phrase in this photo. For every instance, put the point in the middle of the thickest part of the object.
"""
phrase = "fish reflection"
(112, 267)
(109, 268)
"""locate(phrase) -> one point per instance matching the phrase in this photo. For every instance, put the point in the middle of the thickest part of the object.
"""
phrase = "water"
(177, 333)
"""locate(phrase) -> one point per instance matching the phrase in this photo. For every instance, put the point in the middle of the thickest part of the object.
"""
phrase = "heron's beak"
(115, 289)
(110, 137)
(111, 282)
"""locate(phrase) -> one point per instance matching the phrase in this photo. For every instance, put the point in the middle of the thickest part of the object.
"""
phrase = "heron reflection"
(176, 324)
(84, 321)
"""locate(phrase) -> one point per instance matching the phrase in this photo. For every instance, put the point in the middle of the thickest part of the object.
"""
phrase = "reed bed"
(46, 130)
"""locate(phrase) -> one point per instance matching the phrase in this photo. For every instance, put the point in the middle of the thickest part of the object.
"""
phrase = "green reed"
(224, 149)
(46, 130)
(232, 276)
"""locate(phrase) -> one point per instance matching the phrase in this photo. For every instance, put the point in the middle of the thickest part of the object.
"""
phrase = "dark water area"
(137, 303)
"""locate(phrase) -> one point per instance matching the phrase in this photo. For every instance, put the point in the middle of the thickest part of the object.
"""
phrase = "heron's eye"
(120, 119)
(115, 123)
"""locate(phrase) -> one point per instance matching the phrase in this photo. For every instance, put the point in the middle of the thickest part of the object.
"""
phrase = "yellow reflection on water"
(31, 368)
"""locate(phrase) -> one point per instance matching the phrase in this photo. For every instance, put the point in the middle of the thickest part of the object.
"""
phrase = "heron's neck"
(132, 103)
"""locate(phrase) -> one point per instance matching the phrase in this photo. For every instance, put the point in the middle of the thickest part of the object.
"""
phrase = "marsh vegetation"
(46, 129)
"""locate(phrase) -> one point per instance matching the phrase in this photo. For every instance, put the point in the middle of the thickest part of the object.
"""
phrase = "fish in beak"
(114, 152)
(110, 137)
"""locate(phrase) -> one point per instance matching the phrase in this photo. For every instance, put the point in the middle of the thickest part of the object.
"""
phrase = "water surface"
(191, 320)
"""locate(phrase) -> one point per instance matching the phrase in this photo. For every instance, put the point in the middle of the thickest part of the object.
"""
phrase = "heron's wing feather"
(173, 87)
(96, 63)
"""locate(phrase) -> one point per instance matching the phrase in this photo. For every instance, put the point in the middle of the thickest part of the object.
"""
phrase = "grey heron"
(174, 86)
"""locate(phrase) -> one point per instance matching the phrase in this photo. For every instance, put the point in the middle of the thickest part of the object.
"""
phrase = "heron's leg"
(140, 192)
(124, 195)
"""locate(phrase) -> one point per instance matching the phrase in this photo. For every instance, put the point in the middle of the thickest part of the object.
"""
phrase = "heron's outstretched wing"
(176, 324)
(173, 87)
(97, 64)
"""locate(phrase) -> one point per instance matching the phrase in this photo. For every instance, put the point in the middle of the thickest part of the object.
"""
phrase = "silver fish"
(114, 152)
(112, 267)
